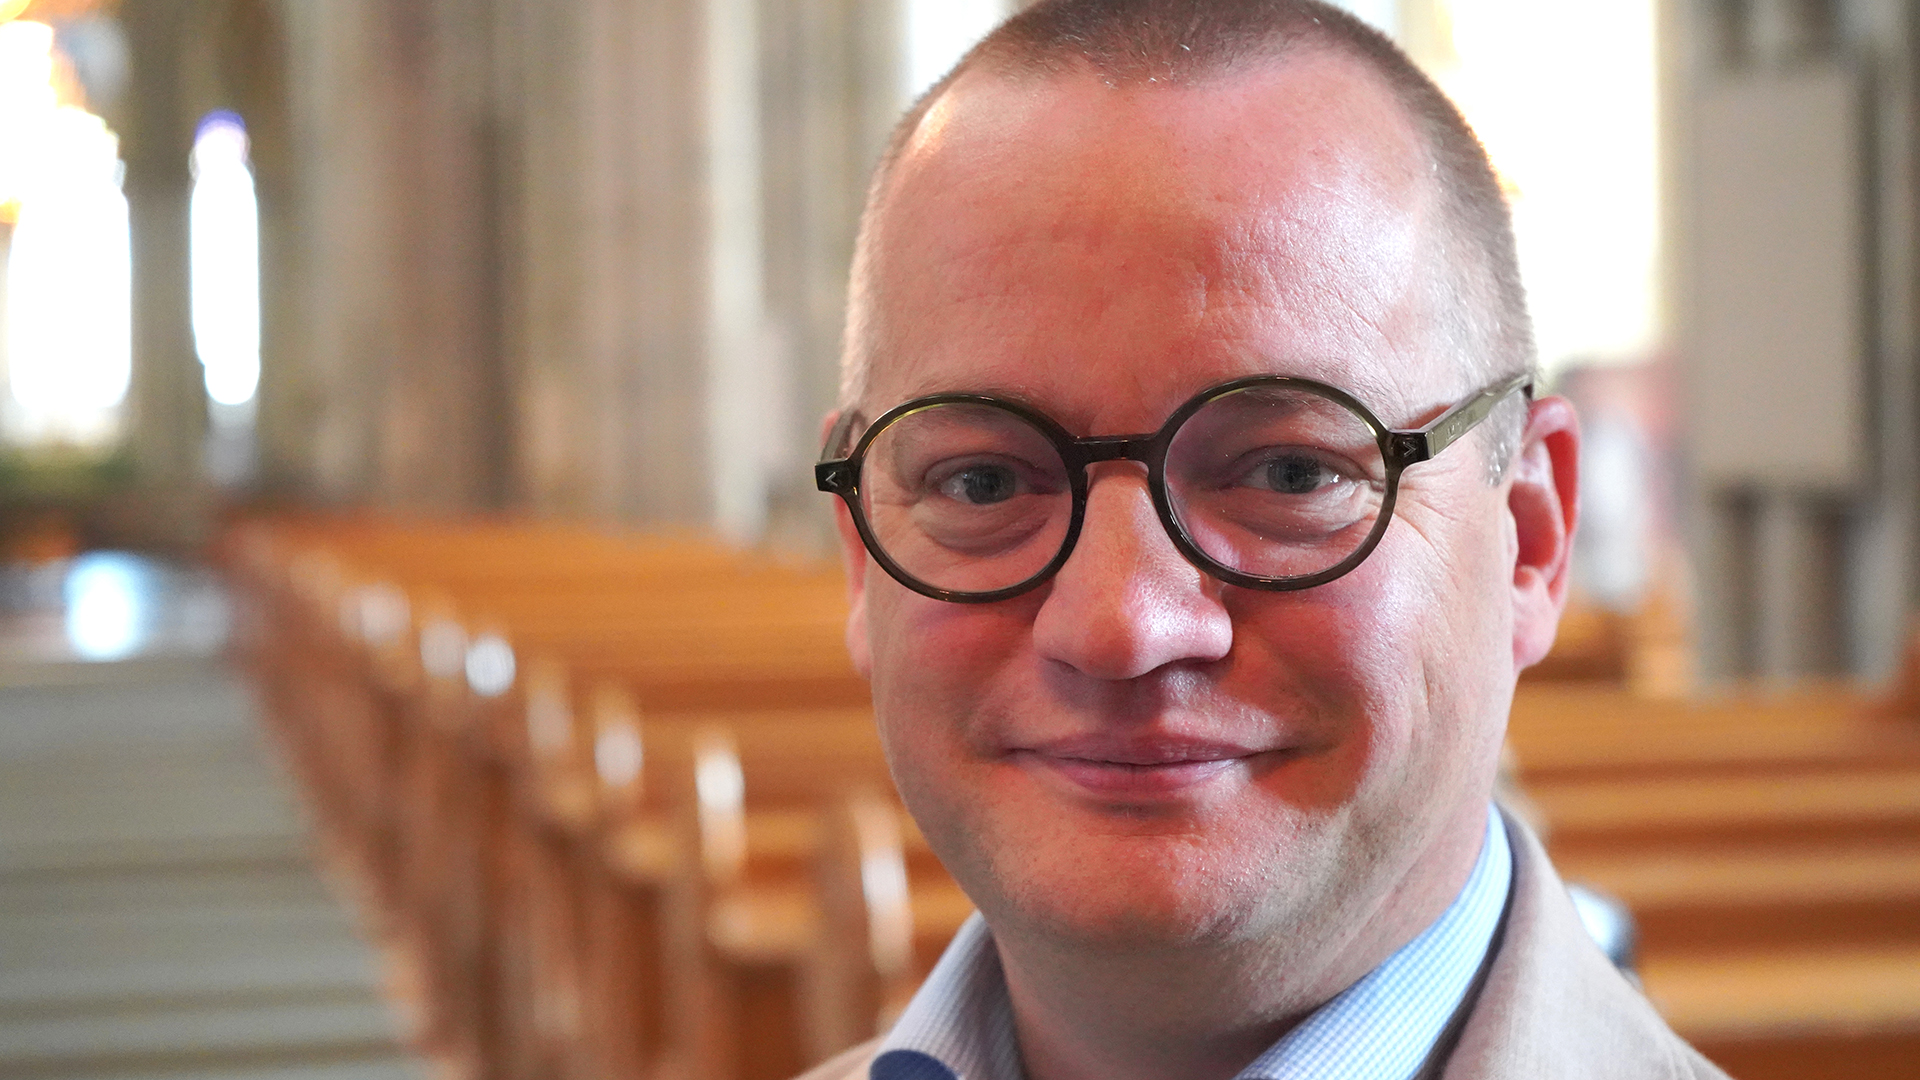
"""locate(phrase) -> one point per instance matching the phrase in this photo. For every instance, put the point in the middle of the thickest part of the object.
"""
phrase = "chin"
(1147, 890)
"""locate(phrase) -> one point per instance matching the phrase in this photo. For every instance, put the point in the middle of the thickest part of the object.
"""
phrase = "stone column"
(613, 289)
(1884, 554)
(167, 400)
(1830, 563)
(568, 391)
(398, 271)
(663, 275)
(833, 88)
(545, 257)
(343, 340)
(251, 51)
(439, 414)
(1796, 562)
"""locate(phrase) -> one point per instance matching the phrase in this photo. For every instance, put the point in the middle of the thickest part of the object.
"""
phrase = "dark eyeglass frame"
(1398, 449)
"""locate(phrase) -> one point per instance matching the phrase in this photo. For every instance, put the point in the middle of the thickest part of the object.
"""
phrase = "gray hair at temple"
(1128, 42)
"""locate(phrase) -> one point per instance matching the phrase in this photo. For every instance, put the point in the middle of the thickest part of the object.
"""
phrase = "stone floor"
(159, 913)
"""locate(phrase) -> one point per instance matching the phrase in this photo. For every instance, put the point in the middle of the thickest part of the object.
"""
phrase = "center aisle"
(159, 911)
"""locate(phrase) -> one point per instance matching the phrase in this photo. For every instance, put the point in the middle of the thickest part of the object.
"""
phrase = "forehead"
(1049, 235)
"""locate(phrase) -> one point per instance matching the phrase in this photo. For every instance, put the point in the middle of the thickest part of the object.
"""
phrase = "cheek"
(1354, 644)
(1444, 624)
(1376, 660)
(929, 654)
(936, 667)
(938, 670)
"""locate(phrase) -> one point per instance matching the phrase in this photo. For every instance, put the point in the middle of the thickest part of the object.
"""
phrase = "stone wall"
(581, 258)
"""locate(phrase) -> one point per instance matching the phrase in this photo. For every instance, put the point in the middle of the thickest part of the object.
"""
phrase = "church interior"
(421, 639)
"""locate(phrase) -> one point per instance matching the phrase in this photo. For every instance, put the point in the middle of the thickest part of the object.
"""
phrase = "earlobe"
(853, 556)
(1544, 502)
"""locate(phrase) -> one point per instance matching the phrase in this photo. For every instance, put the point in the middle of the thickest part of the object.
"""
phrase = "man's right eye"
(981, 484)
(1292, 473)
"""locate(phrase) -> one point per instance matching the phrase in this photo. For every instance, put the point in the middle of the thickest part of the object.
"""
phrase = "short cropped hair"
(1128, 42)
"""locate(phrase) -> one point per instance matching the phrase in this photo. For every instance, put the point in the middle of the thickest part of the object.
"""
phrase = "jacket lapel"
(1552, 1007)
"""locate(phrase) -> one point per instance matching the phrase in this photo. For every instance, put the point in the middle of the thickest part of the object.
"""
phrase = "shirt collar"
(959, 1026)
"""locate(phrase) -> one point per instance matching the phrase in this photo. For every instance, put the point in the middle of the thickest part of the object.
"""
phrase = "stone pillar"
(397, 268)
(1829, 566)
(244, 67)
(1799, 629)
(572, 230)
(653, 162)
(833, 86)
(343, 338)
(547, 258)
(1884, 555)
(442, 408)
(167, 400)
(739, 351)
(605, 291)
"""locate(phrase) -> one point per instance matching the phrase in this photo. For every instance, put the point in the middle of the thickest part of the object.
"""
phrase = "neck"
(1186, 1012)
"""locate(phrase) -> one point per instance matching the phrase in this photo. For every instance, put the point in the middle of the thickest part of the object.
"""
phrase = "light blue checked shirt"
(1384, 1027)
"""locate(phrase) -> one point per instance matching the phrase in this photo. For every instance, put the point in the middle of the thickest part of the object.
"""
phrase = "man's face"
(1135, 754)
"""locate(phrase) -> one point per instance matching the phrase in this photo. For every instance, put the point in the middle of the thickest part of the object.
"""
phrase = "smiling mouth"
(1143, 774)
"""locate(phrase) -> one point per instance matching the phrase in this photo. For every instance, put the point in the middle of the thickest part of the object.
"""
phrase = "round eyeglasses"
(1268, 482)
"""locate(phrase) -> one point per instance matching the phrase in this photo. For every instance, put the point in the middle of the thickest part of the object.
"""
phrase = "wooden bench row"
(619, 802)
(1768, 844)
(593, 814)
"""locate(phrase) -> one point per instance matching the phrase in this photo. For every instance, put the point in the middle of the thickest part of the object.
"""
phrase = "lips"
(1143, 769)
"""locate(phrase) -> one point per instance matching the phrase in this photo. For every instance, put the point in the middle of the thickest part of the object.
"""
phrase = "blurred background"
(584, 261)
(587, 260)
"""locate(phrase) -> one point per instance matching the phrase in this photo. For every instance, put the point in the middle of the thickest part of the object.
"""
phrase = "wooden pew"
(543, 763)
(533, 819)
(1776, 836)
(583, 896)
(678, 835)
(472, 751)
(1647, 651)
(784, 971)
(618, 871)
(888, 911)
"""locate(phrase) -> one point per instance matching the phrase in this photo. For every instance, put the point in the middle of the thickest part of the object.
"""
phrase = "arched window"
(224, 238)
(224, 252)
(68, 339)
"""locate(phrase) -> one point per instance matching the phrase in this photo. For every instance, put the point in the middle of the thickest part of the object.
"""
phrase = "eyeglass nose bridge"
(1098, 448)
(1149, 450)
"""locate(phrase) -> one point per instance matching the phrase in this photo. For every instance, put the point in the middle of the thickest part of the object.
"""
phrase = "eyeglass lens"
(1270, 481)
(1276, 482)
(966, 497)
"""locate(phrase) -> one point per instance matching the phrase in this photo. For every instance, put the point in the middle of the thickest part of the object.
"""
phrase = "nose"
(1126, 602)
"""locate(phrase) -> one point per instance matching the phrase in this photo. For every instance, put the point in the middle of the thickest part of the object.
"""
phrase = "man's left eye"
(1290, 473)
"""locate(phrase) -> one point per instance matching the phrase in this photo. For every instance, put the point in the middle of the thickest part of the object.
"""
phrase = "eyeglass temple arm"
(833, 473)
(1444, 430)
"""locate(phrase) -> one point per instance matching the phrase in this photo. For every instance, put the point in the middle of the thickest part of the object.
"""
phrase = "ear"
(1544, 501)
(853, 556)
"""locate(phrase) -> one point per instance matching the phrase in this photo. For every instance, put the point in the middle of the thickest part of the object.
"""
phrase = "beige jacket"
(1552, 1007)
